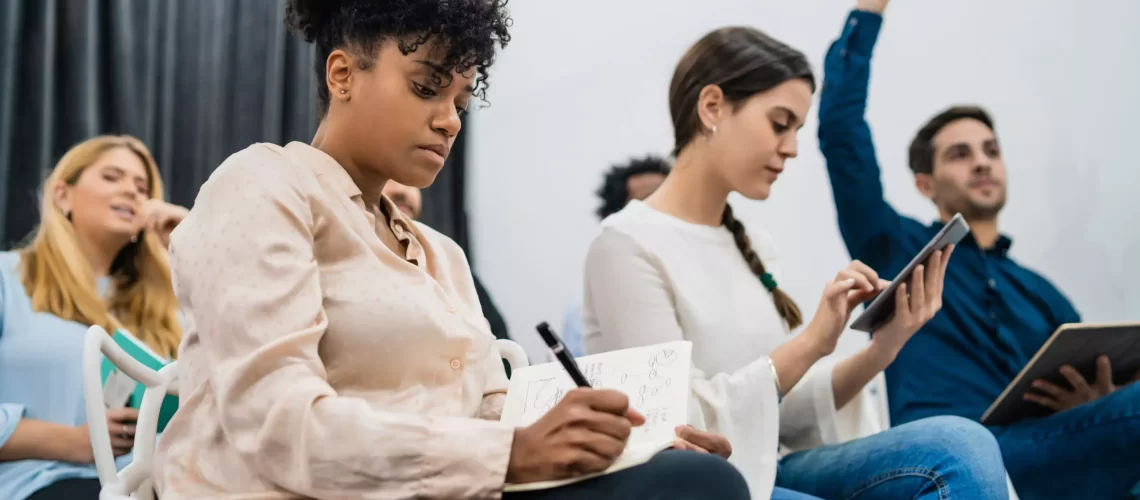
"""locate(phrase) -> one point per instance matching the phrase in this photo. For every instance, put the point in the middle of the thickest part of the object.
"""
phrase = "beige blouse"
(318, 363)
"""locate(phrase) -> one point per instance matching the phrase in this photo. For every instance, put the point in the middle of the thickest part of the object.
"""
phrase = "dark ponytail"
(784, 304)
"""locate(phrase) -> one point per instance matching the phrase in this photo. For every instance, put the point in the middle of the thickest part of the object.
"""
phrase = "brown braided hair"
(784, 303)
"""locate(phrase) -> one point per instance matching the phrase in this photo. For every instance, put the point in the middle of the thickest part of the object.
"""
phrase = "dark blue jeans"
(933, 458)
(671, 474)
(1091, 451)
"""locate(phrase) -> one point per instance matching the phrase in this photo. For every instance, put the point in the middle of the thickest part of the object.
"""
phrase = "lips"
(124, 211)
(439, 149)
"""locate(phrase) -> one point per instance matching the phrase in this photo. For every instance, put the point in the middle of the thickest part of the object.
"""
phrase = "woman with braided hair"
(681, 266)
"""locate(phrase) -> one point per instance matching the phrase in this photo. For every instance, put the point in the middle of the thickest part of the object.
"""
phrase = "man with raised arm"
(996, 313)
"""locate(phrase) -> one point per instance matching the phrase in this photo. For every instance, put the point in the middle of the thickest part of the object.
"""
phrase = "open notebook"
(656, 379)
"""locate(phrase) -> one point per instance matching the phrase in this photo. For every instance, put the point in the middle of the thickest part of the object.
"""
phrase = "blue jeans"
(932, 458)
(1091, 451)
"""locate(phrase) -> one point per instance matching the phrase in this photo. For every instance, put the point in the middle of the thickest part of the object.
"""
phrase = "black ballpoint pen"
(559, 349)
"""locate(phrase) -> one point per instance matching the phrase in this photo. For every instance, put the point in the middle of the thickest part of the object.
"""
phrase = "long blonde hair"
(60, 280)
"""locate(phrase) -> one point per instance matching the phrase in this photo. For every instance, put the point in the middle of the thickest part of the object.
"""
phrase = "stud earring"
(342, 91)
(135, 238)
(714, 130)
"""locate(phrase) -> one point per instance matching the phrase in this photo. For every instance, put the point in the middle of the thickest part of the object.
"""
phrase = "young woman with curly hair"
(336, 348)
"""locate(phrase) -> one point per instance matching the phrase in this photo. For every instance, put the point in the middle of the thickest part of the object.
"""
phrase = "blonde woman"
(98, 258)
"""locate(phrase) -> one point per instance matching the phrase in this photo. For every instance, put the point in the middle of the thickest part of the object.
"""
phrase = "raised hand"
(916, 303)
(876, 6)
(584, 433)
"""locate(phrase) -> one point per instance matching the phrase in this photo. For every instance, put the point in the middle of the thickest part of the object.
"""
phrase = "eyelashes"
(426, 92)
(423, 90)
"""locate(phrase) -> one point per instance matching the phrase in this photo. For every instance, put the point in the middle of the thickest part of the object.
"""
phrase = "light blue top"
(41, 363)
(572, 329)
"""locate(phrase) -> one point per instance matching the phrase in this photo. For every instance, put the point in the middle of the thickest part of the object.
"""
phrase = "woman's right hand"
(584, 433)
(854, 285)
(121, 426)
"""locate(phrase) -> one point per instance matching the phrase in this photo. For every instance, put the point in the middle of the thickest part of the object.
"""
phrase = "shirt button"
(854, 22)
(992, 283)
(455, 364)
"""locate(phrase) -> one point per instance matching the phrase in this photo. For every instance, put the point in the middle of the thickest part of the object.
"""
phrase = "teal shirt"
(41, 364)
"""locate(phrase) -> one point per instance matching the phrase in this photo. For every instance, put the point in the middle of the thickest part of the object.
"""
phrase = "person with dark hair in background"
(997, 313)
(622, 184)
(337, 348)
(410, 201)
(681, 266)
(635, 180)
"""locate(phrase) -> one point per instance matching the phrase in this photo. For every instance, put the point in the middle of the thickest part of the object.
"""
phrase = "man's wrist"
(872, 6)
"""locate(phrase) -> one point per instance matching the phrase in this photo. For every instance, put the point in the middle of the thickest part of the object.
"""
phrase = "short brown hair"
(922, 147)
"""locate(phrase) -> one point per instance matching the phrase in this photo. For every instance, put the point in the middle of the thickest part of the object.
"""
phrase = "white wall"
(583, 84)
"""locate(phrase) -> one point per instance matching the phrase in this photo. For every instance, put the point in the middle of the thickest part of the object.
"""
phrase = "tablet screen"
(881, 309)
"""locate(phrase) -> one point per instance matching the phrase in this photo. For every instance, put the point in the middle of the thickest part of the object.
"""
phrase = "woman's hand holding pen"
(582, 434)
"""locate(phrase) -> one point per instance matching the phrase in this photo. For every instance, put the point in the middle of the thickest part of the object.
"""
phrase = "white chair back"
(135, 479)
(513, 353)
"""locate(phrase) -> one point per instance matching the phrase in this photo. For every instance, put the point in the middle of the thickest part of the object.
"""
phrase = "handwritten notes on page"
(656, 379)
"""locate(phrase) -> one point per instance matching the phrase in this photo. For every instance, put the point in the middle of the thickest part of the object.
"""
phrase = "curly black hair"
(470, 29)
(614, 191)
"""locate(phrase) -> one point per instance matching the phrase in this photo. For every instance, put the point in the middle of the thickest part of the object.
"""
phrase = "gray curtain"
(196, 80)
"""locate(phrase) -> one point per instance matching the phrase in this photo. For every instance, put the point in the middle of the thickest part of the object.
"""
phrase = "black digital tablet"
(883, 307)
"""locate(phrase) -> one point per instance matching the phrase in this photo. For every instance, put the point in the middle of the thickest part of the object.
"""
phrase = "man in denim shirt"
(996, 313)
